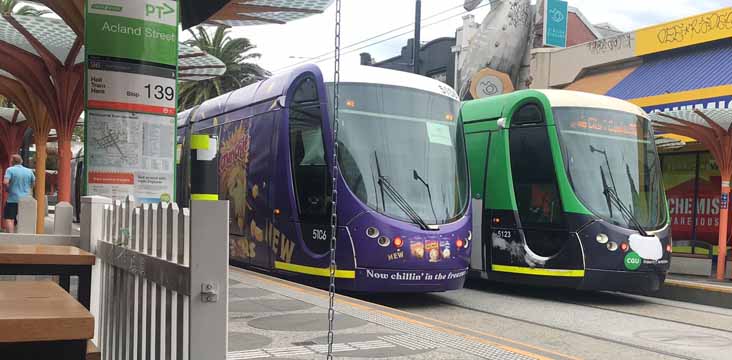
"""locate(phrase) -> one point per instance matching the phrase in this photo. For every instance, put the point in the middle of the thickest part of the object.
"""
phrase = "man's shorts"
(11, 211)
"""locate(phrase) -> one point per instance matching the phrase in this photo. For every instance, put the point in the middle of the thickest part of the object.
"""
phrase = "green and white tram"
(566, 191)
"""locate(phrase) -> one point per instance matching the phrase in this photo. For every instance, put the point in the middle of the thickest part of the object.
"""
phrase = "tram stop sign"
(131, 98)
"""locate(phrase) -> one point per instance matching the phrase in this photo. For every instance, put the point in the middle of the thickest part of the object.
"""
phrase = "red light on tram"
(459, 243)
(669, 248)
(398, 242)
(624, 247)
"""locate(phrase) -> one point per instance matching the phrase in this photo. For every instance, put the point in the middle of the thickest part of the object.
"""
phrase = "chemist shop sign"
(131, 98)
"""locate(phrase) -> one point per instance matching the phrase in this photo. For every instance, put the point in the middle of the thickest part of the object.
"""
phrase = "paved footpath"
(274, 318)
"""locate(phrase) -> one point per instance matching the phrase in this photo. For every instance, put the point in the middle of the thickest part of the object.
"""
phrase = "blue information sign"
(555, 23)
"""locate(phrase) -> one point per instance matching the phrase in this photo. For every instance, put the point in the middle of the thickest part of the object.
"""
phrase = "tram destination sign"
(131, 98)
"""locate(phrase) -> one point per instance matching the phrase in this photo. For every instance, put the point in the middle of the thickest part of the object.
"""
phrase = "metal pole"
(417, 42)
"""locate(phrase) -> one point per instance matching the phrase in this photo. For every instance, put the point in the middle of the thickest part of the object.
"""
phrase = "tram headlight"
(602, 238)
(612, 246)
(470, 236)
(384, 241)
(372, 232)
(398, 242)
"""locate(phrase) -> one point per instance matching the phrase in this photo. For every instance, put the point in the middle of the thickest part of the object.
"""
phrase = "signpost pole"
(131, 97)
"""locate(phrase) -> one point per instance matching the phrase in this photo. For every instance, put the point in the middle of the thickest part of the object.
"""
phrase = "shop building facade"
(680, 65)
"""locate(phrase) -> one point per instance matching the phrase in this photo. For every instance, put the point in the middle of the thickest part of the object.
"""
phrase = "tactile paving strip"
(414, 335)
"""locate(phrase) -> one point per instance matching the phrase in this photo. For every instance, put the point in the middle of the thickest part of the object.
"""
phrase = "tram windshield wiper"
(612, 194)
(389, 189)
(416, 176)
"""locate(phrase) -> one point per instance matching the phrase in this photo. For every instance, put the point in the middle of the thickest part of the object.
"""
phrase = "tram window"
(306, 92)
(529, 114)
(309, 168)
(534, 179)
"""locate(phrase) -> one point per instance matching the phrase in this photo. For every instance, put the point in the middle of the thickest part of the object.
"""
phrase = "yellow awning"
(600, 83)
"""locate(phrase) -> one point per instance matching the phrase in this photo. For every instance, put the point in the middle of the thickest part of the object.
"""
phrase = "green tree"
(235, 53)
(11, 7)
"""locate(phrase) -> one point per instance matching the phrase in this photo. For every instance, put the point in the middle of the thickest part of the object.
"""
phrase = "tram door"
(541, 221)
(310, 170)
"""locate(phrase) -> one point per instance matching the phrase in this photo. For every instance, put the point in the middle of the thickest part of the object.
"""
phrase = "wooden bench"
(64, 261)
(39, 320)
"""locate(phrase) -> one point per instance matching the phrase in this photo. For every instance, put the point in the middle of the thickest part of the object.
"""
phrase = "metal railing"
(160, 285)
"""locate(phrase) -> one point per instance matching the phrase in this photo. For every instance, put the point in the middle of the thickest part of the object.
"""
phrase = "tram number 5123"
(505, 234)
(320, 235)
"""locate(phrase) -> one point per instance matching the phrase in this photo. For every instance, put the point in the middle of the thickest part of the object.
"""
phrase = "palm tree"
(8, 7)
(234, 53)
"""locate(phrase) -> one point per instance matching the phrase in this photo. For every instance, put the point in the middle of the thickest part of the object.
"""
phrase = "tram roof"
(495, 106)
(564, 98)
(278, 84)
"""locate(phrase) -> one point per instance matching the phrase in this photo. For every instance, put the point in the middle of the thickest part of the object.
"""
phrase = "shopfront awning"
(679, 71)
(601, 83)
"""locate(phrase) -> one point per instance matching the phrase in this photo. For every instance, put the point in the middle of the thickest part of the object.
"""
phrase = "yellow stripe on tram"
(310, 270)
(205, 197)
(539, 272)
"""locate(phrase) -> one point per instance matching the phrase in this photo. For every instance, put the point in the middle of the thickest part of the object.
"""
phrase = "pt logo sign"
(158, 11)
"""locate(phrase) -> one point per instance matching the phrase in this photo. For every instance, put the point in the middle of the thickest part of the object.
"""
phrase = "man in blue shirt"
(19, 181)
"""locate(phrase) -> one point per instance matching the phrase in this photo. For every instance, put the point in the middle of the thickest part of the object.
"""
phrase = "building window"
(439, 76)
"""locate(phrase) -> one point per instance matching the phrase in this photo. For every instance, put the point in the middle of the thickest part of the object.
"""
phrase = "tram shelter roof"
(216, 12)
(61, 41)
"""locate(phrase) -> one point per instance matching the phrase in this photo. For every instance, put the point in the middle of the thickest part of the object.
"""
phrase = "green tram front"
(566, 191)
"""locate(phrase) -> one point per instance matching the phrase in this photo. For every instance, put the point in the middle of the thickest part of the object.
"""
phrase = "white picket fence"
(160, 287)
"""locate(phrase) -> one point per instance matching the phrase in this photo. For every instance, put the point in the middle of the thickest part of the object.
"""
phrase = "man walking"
(19, 181)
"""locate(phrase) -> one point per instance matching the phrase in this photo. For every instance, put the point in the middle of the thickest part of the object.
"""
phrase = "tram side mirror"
(501, 123)
(281, 101)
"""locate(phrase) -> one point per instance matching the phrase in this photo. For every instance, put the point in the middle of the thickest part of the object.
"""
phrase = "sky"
(285, 45)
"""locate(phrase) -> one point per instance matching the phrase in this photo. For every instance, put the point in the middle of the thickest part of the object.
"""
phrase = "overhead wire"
(320, 58)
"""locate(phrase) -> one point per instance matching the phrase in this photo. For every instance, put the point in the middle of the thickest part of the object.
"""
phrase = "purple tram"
(403, 203)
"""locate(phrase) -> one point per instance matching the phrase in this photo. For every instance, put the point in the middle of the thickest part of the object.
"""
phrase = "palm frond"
(234, 53)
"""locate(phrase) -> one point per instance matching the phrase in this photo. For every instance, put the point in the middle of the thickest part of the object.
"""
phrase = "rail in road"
(587, 325)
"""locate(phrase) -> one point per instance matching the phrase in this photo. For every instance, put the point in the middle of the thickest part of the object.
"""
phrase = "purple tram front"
(403, 214)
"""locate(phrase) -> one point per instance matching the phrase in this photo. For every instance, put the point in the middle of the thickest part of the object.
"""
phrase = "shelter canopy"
(248, 12)
(60, 40)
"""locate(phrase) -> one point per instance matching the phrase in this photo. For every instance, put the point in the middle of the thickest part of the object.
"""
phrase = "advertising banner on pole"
(555, 23)
(131, 98)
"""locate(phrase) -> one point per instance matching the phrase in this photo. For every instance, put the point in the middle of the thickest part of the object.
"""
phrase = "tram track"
(647, 316)
(558, 328)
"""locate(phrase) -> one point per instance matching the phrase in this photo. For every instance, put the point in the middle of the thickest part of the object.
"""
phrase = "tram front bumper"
(633, 281)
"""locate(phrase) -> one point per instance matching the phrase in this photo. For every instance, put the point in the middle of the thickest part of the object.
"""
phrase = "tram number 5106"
(160, 92)
(320, 235)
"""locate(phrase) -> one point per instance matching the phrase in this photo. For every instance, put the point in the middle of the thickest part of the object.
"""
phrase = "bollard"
(27, 216)
(63, 216)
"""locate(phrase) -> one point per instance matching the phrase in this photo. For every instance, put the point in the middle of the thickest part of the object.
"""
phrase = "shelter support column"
(723, 218)
(40, 186)
(64, 169)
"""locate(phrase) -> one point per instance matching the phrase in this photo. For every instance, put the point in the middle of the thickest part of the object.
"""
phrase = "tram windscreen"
(410, 139)
(613, 151)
